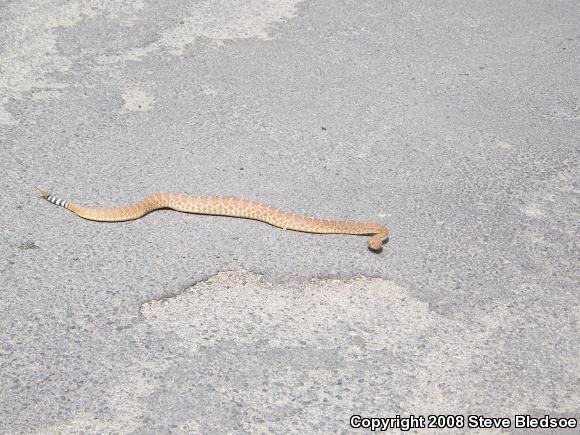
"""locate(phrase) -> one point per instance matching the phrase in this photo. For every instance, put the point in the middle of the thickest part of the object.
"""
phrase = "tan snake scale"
(227, 206)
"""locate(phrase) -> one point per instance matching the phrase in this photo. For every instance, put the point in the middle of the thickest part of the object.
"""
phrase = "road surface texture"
(454, 123)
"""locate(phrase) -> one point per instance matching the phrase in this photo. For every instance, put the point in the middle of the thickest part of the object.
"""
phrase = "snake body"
(226, 206)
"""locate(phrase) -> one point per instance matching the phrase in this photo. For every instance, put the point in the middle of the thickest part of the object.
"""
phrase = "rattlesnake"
(227, 206)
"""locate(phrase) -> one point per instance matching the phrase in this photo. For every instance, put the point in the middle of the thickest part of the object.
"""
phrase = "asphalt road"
(454, 123)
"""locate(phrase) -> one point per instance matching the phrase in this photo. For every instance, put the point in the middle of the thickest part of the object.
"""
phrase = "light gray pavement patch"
(454, 123)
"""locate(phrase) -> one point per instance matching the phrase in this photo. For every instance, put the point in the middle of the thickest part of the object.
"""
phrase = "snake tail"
(53, 199)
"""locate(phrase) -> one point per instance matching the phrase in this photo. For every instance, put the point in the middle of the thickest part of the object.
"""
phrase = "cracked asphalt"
(456, 124)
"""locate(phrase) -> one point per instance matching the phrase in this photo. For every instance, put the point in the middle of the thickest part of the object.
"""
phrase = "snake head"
(376, 245)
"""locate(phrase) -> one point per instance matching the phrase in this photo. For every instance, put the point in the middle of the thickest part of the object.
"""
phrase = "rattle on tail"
(227, 206)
